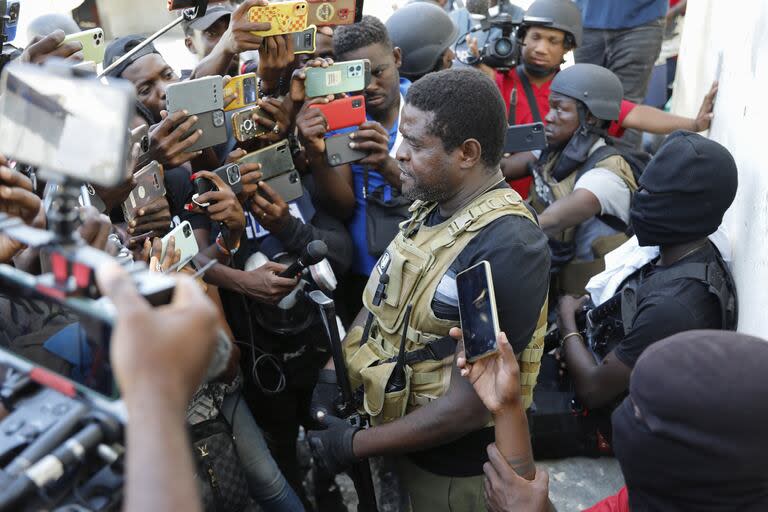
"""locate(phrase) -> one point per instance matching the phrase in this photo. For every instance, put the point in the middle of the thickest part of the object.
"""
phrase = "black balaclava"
(576, 151)
(691, 435)
(684, 191)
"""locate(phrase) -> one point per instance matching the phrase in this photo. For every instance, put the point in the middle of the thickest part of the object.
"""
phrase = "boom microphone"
(313, 254)
(479, 8)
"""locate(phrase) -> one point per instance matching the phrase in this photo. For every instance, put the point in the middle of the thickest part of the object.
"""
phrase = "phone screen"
(60, 339)
(477, 311)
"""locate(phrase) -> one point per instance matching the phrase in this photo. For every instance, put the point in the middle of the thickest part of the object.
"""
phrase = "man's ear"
(190, 45)
(398, 55)
(470, 153)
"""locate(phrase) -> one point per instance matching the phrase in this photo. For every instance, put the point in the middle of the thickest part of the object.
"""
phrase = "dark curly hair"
(370, 30)
(466, 105)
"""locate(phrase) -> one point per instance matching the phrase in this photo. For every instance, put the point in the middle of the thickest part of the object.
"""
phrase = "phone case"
(245, 87)
(285, 17)
(93, 43)
(243, 125)
(304, 42)
(342, 77)
(195, 96)
(335, 12)
(214, 130)
(230, 174)
(485, 268)
(275, 159)
(182, 4)
(525, 137)
(287, 185)
(338, 152)
(343, 112)
(185, 241)
(149, 186)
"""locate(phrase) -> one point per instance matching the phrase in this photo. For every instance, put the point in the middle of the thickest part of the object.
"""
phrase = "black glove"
(324, 396)
(332, 447)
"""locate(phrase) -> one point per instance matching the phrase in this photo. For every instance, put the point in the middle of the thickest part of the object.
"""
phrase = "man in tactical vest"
(453, 130)
(582, 187)
(684, 193)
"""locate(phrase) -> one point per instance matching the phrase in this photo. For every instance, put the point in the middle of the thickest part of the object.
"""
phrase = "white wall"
(736, 35)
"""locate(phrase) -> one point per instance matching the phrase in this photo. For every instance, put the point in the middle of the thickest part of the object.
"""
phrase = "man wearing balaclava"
(582, 186)
(684, 193)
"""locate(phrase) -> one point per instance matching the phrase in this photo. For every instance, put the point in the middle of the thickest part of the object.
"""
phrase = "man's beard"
(538, 71)
(419, 192)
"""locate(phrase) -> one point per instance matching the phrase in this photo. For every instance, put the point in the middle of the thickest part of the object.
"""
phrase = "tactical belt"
(433, 351)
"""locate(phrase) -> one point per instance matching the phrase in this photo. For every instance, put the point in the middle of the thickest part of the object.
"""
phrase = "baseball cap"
(120, 47)
(212, 15)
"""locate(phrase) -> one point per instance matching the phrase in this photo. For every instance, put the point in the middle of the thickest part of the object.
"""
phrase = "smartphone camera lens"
(351, 69)
(187, 230)
(357, 104)
(359, 67)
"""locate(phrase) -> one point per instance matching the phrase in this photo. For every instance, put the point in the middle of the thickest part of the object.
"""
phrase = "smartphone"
(342, 77)
(343, 112)
(243, 125)
(185, 4)
(287, 185)
(246, 88)
(140, 136)
(477, 311)
(525, 137)
(285, 17)
(196, 96)
(12, 8)
(214, 129)
(93, 43)
(275, 159)
(149, 186)
(185, 241)
(338, 152)
(304, 42)
(335, 12)
(230, 174)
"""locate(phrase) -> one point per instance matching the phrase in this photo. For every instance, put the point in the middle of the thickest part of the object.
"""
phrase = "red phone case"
(344, 112)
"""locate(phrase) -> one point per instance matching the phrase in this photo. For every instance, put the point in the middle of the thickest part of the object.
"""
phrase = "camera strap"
(529, 93)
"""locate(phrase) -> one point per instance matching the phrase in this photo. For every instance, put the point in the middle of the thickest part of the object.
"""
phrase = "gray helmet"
(598, 88)
(423, 31)
(558, 14)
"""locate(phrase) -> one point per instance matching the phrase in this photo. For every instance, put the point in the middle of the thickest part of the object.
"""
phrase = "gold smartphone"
(247, 90)
(245, 127)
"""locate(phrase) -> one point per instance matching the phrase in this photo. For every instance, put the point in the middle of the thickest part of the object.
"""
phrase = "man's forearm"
(391, 172)
(436, 423)
(515, 167)
(654, 120)
(160, 472)
(216, 63)
(514, 441)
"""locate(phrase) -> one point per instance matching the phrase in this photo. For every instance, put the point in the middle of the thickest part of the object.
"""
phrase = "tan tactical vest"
(574, 276)
(416, 261)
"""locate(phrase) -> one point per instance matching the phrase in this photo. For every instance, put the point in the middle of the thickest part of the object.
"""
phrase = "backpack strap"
(529, 93)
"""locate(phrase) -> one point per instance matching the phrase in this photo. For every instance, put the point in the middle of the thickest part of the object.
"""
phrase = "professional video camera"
(498, 42)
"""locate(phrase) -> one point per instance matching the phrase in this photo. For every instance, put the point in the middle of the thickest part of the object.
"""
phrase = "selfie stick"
(188, 14)
(360, 472)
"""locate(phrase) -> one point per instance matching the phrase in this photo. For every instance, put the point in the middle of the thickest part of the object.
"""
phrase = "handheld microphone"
(313, 254)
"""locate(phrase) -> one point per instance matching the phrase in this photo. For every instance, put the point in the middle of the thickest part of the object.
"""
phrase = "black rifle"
(360, 472)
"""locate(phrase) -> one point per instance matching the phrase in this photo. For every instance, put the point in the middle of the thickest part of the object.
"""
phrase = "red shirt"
(512, 88)
(617, 503)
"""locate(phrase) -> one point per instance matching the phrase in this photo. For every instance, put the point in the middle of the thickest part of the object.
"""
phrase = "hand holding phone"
(184, 241)
(338, 78)
(343, 112)
(284, 17)
(477, 311)
(525, 137)
(94, 44)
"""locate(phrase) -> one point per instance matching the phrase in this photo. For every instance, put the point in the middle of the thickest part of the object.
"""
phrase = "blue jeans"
(266, 483)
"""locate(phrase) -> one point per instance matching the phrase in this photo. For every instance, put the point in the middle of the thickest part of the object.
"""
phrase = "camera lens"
(187, 230)
(503, 47)
(357, 104)
(351, 69)
(233, 173)
(359, 67)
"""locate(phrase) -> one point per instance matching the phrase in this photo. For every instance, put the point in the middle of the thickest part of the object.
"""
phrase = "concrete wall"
(729, 40)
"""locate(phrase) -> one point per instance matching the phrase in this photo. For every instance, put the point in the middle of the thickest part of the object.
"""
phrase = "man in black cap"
(204, 33)
(684, 193)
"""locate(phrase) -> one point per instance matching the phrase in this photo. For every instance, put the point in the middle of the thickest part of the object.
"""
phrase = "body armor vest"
(416, 261)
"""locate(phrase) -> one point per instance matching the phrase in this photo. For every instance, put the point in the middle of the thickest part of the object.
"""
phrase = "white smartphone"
(185, 241)
(477, 311)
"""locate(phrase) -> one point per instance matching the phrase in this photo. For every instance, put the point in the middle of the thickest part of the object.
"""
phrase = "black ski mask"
(684, 191)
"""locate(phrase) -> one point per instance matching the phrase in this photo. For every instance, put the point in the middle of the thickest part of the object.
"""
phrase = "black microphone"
(313, 254)
(52, 467)
(479, 7)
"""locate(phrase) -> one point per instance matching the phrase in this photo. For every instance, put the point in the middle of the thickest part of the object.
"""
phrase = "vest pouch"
(605, 244)
(381, 406)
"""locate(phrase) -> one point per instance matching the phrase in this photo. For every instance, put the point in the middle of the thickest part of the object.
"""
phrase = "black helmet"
(423, 31)
(558, 14)
(598, 88)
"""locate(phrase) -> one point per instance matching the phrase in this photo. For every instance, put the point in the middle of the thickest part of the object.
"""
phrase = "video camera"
(9, 20)
(498, 41)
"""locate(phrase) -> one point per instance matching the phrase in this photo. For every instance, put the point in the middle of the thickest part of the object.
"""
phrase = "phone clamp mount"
(189, 14)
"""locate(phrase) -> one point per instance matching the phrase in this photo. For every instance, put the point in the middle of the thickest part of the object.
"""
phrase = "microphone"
(52, 467)
(313, 254)
(479, 8)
